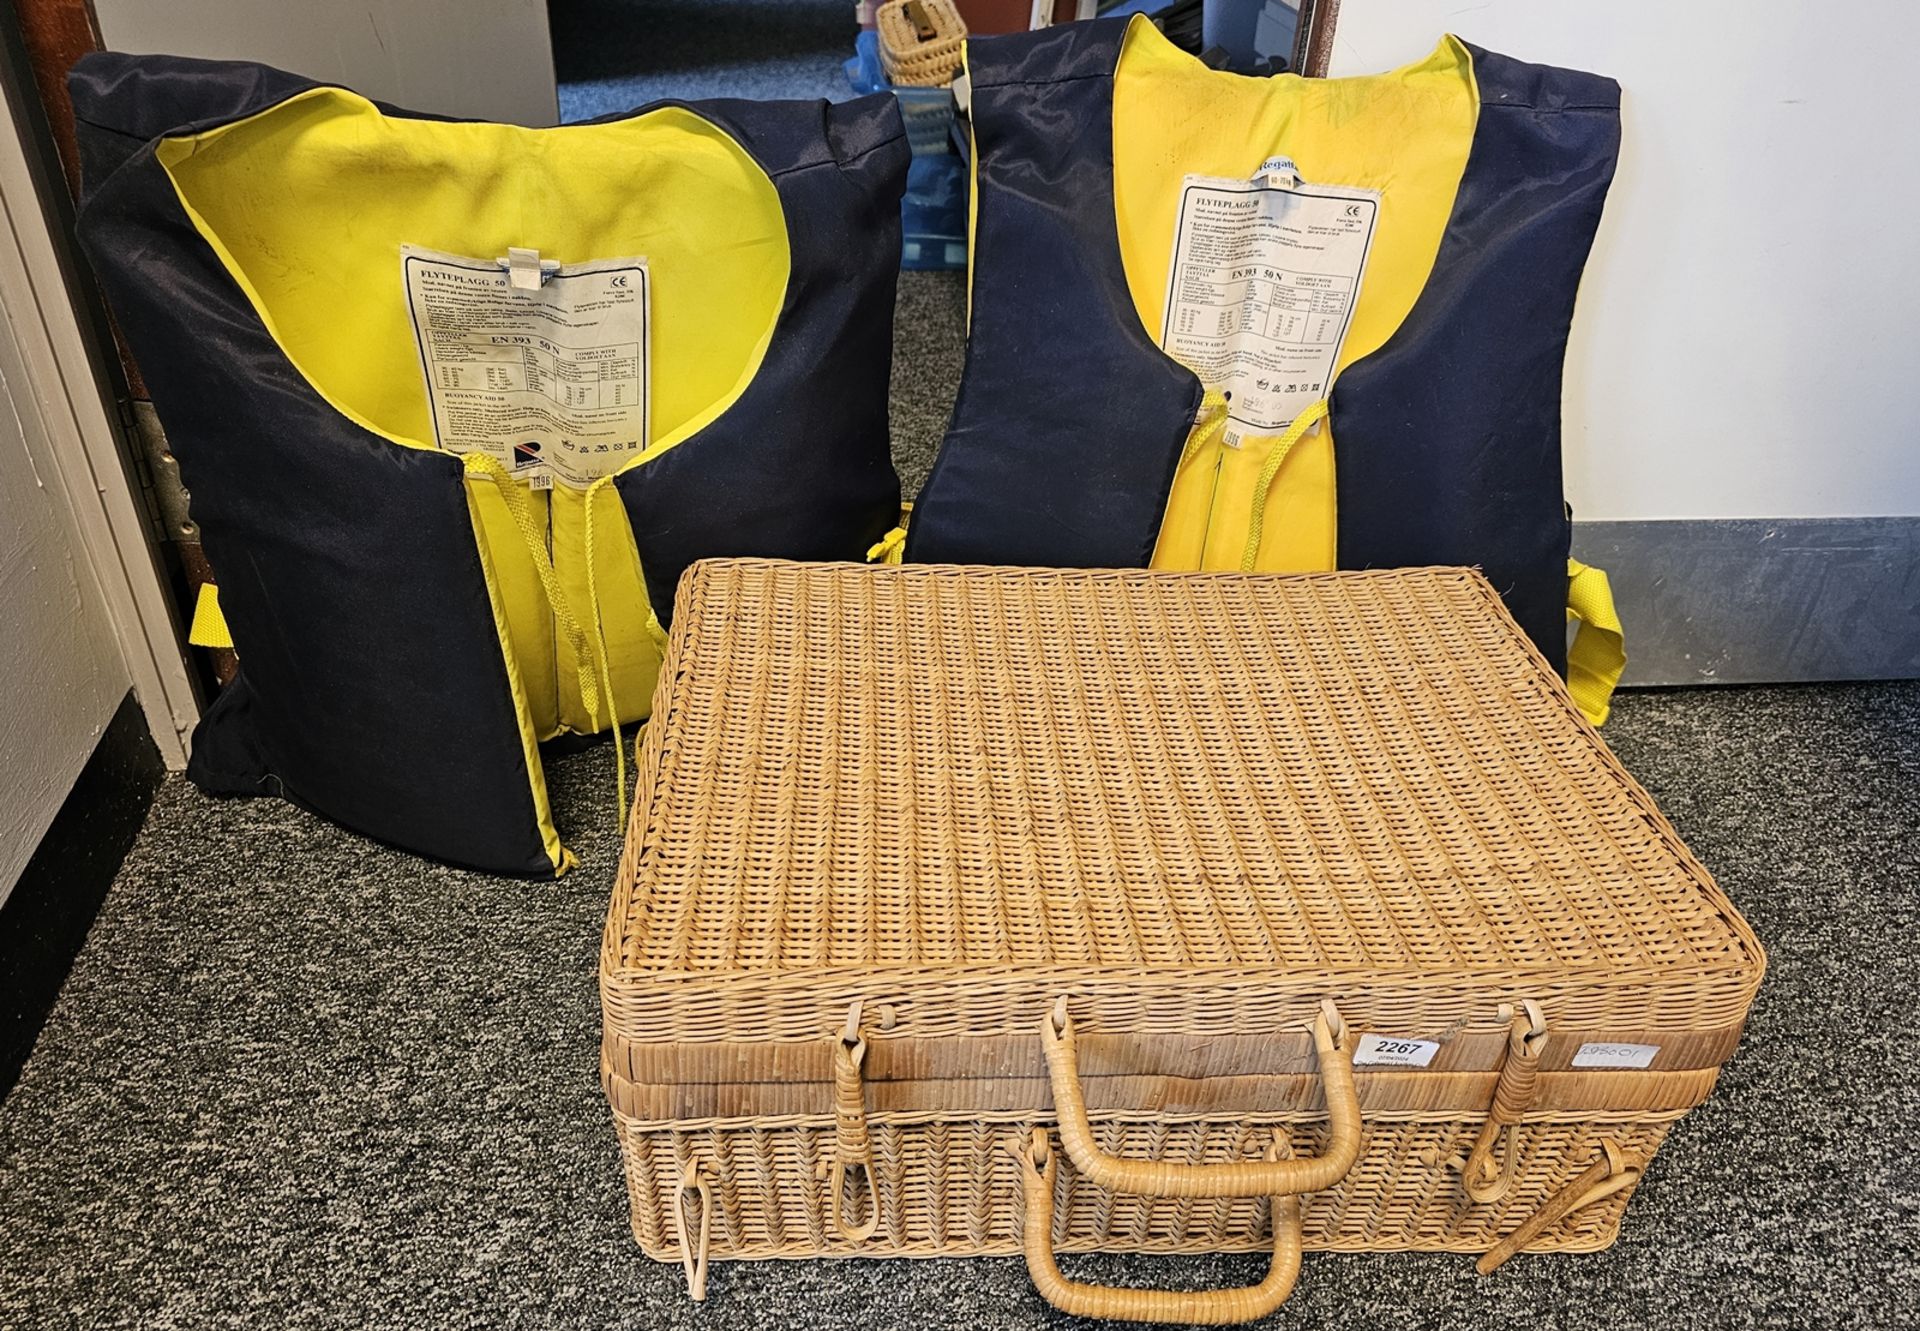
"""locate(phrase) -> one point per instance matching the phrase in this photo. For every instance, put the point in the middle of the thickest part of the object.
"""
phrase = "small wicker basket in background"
(920, 41)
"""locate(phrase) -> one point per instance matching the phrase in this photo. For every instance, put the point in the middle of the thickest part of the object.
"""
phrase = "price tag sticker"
(1387, 1051)
(1615, 1055)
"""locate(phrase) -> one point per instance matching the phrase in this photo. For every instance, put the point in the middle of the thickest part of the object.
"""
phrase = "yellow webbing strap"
(1257, 520)
(209, 627)
(889, 548)
(892, 547)
(1598, 653)
(1209, 423)
(600, 650)
(532, 535)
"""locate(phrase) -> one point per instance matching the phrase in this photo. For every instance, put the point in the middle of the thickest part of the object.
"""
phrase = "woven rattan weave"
(955, 896)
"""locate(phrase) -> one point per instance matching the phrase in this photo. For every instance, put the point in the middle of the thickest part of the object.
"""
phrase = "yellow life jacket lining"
(1406, 134)
(307, 204)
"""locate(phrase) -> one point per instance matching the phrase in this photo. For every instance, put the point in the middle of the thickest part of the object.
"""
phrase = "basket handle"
(1221, 1307)
(1243, 1178)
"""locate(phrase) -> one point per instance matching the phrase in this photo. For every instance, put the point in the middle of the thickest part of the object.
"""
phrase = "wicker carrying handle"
(1039, 1167)
(1243, 1178)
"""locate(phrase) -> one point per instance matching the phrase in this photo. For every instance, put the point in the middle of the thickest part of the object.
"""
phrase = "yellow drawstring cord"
(1257, 520)
(520, 507)
(600, 650)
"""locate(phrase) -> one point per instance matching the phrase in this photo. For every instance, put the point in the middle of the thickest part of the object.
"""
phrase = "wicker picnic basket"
(999, 911)
(920, 42)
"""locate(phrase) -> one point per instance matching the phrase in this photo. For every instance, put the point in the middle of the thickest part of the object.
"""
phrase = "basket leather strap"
(694, 1243)
(852, 1145)
(1484, 1180)
(1610, 1174)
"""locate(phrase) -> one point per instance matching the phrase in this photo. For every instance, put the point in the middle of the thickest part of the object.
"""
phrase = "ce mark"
(619, 281)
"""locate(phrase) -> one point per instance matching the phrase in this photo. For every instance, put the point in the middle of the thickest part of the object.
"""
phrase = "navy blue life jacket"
(387, 674)
(1071, 421)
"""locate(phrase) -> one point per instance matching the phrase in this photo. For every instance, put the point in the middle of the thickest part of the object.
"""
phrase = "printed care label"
(1261, 288)
(1615, 1055)
(1386, 1051)
(548, 374)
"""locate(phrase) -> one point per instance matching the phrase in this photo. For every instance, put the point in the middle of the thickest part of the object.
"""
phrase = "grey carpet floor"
(929, 347)
(614, 55)
(300, 1081)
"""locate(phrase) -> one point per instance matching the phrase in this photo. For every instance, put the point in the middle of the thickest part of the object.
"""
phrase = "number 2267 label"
(1386, 1051)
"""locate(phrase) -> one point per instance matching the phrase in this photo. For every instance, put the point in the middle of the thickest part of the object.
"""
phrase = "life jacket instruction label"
(548, 376)
(1261, 288)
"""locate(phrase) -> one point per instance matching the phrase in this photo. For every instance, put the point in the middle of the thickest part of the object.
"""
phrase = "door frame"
(74, 405)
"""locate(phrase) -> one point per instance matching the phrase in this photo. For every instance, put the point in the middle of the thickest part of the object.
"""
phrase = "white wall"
(61, 674)
(483, 59)
(1748, 338)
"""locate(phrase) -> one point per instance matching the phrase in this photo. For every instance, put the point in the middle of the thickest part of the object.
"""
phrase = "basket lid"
(956, 790)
